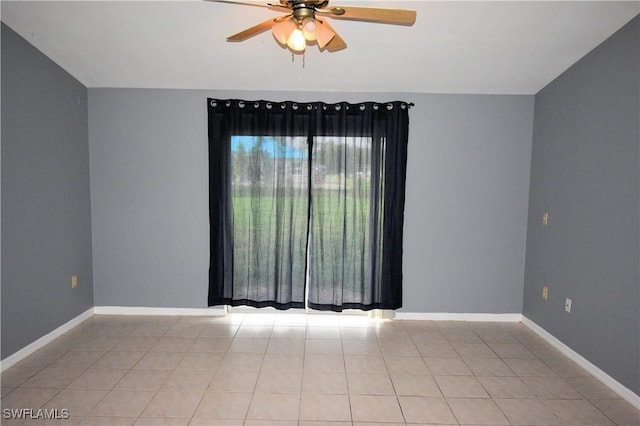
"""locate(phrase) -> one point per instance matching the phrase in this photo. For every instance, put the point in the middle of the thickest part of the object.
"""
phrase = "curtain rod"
(213, 100)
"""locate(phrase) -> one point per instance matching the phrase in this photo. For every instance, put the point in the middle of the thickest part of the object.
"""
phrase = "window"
(270, 211)
(306, 204)
(342, 221)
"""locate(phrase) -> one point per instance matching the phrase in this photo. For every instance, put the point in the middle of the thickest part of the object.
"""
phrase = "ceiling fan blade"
(336, 43)
(272, 6)
(371, 14)
(256, 29)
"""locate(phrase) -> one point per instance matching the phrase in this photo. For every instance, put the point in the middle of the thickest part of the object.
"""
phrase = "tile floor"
(288, 369)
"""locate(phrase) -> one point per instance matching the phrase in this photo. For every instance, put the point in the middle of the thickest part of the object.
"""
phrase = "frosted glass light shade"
(282, 30)
(296, 41)
(309, 28)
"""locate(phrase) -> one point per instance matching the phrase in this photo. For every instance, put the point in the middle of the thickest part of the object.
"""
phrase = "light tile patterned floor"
(290, 369)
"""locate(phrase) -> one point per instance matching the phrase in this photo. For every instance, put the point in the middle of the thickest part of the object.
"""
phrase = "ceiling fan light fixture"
(282, 30)
(301, 26)
(296, 41)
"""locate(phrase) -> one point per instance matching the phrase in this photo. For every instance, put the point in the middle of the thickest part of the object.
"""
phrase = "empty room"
(315, 212)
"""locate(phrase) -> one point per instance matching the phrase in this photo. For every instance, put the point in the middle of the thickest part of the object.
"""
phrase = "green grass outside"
(339, 251)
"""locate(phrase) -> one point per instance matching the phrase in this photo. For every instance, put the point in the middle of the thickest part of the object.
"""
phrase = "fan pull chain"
(304, 57)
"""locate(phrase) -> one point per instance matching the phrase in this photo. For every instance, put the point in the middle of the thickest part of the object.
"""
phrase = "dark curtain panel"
(259, 204)
(291, 182)
(358, 184)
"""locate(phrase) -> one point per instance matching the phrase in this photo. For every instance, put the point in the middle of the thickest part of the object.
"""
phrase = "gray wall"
(466, 207)
(46, 207)
(585, 173)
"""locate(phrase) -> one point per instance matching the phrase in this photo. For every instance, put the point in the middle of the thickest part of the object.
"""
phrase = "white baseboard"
(129, 310)
(609, 381)
(47, 338)
(444, 316)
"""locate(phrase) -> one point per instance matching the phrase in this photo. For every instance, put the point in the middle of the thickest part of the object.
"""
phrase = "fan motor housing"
(307, 3)
(302, 11)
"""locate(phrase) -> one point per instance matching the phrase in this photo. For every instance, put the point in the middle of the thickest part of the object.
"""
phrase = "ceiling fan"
(306, 23)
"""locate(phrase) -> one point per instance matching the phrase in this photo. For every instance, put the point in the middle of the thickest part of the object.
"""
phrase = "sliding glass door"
(270, 207)
(307, 204)
(341, 217)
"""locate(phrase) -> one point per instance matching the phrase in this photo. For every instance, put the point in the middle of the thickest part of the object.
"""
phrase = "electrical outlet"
(567, 305)
(545, 292)
(74, 281)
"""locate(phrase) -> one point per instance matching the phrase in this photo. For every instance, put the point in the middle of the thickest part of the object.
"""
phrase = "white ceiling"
(508, 47)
